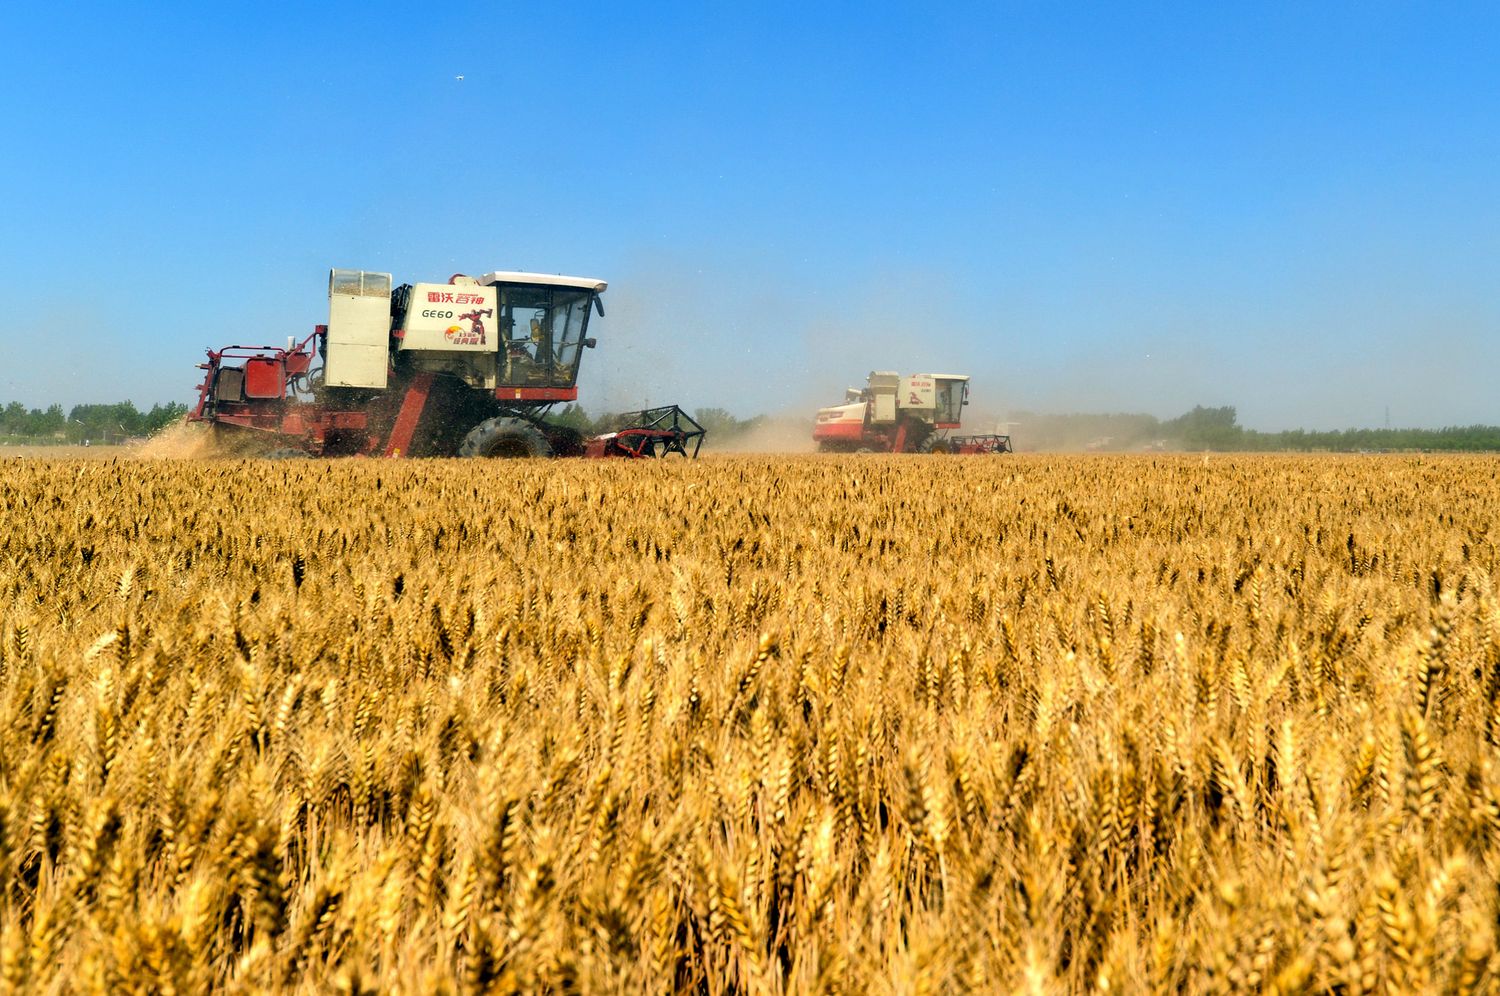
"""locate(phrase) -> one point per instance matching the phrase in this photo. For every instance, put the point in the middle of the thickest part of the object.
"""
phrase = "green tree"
(573, 417)
(160, 416)
(51, 421)
(127, 418)
(13, 419)
(1206, 428)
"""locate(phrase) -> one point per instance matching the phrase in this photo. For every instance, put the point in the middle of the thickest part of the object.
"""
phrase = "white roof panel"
(549, 279)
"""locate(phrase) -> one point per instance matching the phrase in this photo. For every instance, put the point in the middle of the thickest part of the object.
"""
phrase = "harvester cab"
(521, 335)
(469, 367)
(895, 414)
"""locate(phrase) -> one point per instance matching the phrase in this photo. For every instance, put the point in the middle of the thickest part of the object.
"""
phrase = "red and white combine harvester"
(467, 368)
(896, 414)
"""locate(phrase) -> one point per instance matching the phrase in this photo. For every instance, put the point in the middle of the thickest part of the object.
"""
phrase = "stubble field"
(751, 724)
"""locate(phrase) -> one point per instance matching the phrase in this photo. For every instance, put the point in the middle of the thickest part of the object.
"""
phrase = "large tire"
(934, 444)
(505, 436)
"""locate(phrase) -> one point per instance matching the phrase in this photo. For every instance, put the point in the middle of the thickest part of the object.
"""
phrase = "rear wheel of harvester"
(505, 437)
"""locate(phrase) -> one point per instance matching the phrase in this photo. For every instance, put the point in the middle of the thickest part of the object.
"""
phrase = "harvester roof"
(892, 373)
(549, 279)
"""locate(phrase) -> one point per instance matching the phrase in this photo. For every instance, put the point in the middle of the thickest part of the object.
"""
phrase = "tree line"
(94, 423)
(1218, 429)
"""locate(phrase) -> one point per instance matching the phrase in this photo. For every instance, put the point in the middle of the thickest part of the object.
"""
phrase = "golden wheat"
(750, 725)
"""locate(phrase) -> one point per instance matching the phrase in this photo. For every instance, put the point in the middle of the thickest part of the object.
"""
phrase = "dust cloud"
(197, 441)
(780, 434)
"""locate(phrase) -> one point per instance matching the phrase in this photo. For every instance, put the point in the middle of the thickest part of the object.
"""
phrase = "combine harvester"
(467, 368)
(896, 414)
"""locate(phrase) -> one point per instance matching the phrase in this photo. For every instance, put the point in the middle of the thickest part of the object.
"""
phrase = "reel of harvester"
(652, 432)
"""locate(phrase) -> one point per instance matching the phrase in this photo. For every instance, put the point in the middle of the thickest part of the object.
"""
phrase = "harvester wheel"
(933, 444)
(505, 436)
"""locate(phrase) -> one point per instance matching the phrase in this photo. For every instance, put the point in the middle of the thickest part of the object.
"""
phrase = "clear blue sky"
(1289, 208)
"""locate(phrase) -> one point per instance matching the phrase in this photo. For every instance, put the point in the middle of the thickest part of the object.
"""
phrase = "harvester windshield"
(951, 396)
(542, 331)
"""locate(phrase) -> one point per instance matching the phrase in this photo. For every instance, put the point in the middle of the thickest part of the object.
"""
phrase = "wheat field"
(751, 724)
